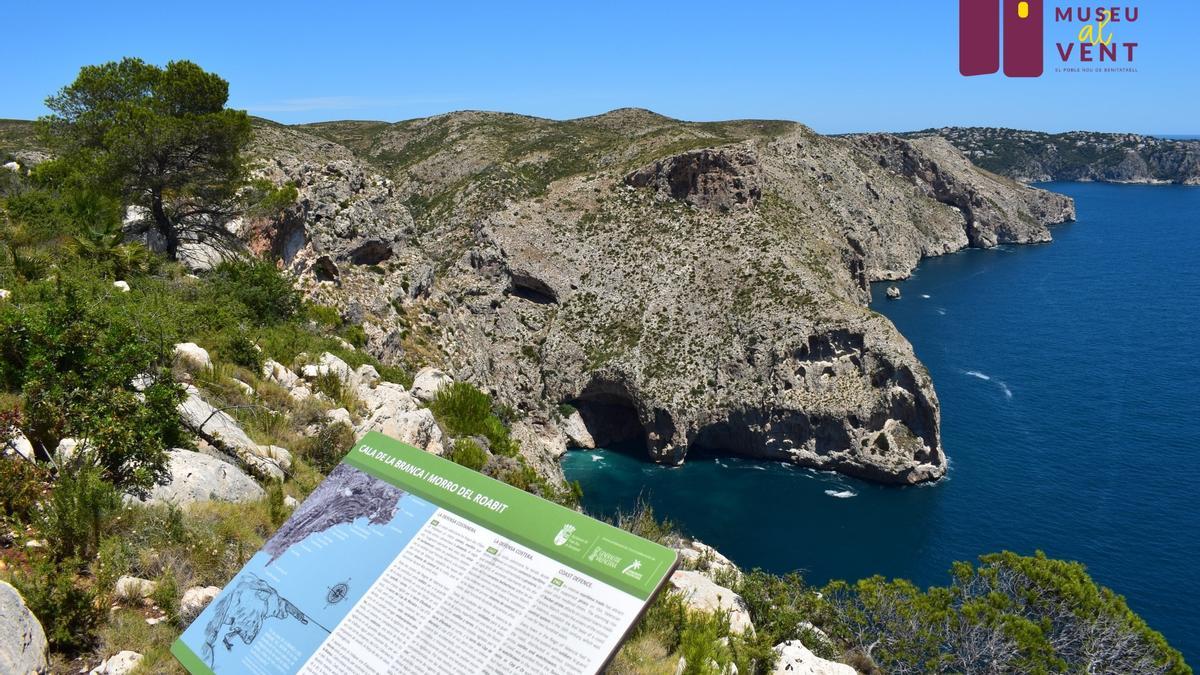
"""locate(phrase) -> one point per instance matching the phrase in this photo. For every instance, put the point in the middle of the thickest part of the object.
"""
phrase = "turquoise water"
(1069, 377)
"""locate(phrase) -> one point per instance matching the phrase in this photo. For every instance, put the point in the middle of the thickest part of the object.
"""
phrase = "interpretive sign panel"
(403, 562)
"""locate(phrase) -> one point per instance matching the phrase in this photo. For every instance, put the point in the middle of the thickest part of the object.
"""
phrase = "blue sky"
(883, 65)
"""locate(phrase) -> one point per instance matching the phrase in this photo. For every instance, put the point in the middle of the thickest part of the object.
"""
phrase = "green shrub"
(276, 510)
(355, 335)
(1010, 613)
(326, 449)
(74, 351)
(113, 560)
(700, 644)
(166, 595)
(66, 609)
(77, 513)
(464, 410)
(240, 349)
(266, 294)
(468, 453)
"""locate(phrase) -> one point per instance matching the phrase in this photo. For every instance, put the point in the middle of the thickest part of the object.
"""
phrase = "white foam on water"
(841, 494)
(1005, 389)
(597, 458)
(976, 373)
(941, 311)
(925, 295)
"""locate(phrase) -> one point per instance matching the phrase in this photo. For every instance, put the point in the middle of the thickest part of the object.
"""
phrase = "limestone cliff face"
(682, 285)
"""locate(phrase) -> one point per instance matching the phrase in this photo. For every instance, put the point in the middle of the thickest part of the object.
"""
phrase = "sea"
(1069, 380)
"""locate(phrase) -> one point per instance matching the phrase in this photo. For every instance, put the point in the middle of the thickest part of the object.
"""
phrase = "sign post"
(404, 562)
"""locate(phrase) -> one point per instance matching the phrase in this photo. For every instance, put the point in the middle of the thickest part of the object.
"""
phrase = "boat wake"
(841, 494)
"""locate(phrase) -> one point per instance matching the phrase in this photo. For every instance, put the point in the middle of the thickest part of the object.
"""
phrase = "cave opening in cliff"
(532, 289)
(612, 419)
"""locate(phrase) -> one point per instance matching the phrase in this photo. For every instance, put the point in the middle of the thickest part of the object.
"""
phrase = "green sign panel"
(402, 561)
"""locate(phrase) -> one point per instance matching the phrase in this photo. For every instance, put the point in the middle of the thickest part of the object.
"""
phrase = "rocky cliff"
(680, 285)
(1032, 156)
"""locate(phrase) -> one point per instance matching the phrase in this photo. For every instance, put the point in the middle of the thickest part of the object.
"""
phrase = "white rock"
(699, 592)
(333, 364)
(134, 588)
(300, 393)
(12, 166)
(367, 376)
(291, 502)
(415, 427)
(5, 294)
(194, 601)
(19, 445)
(706, 559)
(22, 640)
(312, 371)
(388, 395)
(428, 381)
(796, 659)
(218, 428)
(246, 388)
(67, 449)
(122, 286)
(280, 456)
(339, 416)
(197, 477)
(343, 343)
(192, 355)
(274, 371)
(577, 433)
(121, 663)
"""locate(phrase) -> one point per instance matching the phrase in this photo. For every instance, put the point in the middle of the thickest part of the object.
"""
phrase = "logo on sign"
(564, 535)
(1012, 33)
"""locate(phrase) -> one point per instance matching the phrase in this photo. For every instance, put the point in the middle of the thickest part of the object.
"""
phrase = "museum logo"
(1013, 32)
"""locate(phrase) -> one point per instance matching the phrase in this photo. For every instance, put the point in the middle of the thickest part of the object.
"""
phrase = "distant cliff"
(1032, 156)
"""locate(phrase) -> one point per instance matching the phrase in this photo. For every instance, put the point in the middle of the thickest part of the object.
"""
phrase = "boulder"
(22, 640)
(702, 594)
(367, 376)
(122, 286)
(5, 294)
(893, 293)
(428, 381)
(577, 432)
(339, 416)
(197, 477)
(704, 558)
(194, 601)
(274, 371)
(222, 431)
(19, 445)
(246, 388)
(134, 588)
(68, 449)
(415, 427)
(12, 166)
(192, 355)
(121, 663)
(796, 659)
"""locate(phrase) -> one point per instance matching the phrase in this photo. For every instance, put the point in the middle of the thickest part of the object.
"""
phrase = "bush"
(77, 513)
(325, 450)
(73, 352)
(463, 410)
(468, 453)
(258, 286)
(22, 486)
(241, 350)
(67, 611)
(1009, 614)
